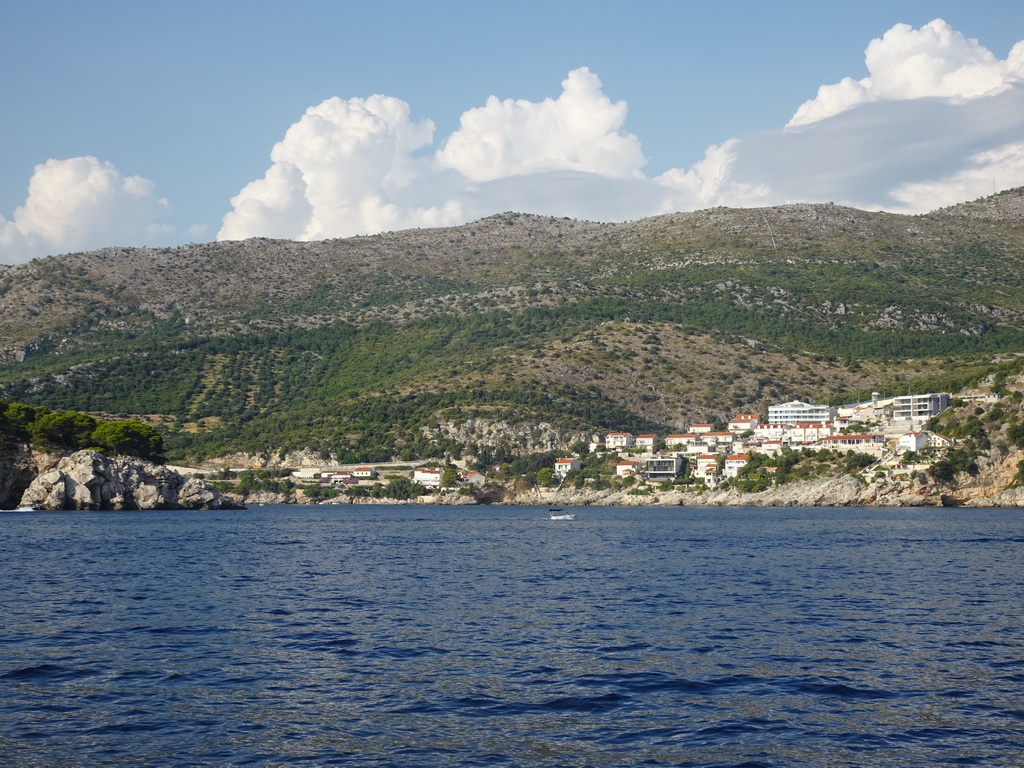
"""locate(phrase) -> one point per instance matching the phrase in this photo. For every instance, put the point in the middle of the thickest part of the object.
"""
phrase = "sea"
(493, 636)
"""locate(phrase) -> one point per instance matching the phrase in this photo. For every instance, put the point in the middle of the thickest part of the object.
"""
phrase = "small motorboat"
(555, 513)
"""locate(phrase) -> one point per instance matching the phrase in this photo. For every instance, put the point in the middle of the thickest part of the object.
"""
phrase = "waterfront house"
(564, 466)
(661, 468)
(627, 468)
(734, 463)
(428, 477)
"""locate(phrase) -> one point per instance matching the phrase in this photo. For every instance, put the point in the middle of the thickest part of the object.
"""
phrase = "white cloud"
(581, 130)
(907, 63)
(938, 117)
(334, 175)
(350, 166)
(81, 203)
(981, 176)
(938, 120)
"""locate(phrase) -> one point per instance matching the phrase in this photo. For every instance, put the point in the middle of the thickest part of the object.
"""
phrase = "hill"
(515, 331)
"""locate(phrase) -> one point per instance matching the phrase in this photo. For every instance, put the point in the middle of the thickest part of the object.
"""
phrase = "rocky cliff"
(89, 480)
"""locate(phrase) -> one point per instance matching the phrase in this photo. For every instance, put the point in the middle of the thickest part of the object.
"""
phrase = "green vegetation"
(71, 431)
(360, 348)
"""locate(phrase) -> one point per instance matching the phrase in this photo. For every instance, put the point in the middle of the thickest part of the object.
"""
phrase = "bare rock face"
(90, 480)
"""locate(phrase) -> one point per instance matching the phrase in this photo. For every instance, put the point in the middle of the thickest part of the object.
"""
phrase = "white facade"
(741, 422)
(619, 440)
(673, 441)
(919, 407)
(564, 466)
(913, 441)
(427, 477)
(734, 463)
(796, 411)
(627, 468)
(646, 441)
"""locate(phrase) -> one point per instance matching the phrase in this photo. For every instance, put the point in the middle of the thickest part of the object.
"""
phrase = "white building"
(913, 441)
(620, 440)
(742, 422)
(675, 441)
(428, 477)
(919, 407)
(874, 444)
(627, 468)
(734, 463)
(705, 462)
(646, 441)
(564, 466)
(796, 411)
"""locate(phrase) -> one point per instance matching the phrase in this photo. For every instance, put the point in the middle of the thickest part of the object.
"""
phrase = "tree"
(131, 438)
(66, 429)
(403, 488)
(450, 477)
(545, 476)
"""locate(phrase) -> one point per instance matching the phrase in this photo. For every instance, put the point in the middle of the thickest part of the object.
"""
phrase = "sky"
(161, 124)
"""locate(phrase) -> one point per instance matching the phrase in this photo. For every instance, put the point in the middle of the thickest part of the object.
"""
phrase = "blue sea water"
(491, 636)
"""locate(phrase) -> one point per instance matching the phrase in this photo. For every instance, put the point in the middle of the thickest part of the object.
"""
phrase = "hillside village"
(883, 438)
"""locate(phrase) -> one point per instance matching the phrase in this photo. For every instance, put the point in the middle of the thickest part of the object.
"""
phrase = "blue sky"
(129, 123)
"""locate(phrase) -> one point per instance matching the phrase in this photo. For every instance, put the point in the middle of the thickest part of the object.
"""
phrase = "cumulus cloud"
(581, 130)
(334, 174)
(350, 166)
(81, 203)
(908, 63)
(938, 119)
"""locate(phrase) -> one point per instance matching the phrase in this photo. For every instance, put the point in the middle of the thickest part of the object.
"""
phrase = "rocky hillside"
(364, 348)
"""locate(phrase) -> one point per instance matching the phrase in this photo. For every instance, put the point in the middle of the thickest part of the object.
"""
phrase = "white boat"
(556, 514)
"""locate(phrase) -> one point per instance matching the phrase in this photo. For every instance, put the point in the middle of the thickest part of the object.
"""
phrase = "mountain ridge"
(641, 324)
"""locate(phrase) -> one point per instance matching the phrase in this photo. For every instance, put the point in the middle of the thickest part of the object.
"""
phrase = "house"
(663, 468)
(701, 429)
(473, 478)
(597, 445)
(338, 477)
(742, 422)
(707, 461)
(770, 431)
(673, 441)
(646, 441)
(620, 440)
(734, 463)
(718, 438)
(627, 468)
(364, 473)
(711, 477)
(940, 441)
(808, 431)
(850, 443)
(428, 477)
(913, 441)
(564, 466)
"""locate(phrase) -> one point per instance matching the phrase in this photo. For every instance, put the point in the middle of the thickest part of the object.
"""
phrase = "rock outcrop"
(90, 480)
